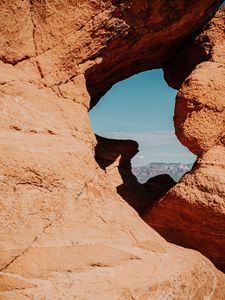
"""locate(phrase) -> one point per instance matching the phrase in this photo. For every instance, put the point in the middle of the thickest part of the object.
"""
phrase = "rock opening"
(140, 108)
(65, 233)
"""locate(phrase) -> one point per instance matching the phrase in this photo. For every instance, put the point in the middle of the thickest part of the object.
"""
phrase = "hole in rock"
(134, 127)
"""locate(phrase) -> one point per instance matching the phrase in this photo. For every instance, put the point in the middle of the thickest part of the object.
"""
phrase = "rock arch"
(64, 230)
(193, 211)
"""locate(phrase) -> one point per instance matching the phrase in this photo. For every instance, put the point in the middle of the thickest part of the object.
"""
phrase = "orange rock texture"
(192, 214)
(65, 232)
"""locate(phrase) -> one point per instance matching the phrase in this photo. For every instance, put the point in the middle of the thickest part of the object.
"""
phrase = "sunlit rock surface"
(65, 233)
(192, 214)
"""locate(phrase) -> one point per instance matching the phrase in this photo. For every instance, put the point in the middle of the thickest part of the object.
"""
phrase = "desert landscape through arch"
(64, 231)
(128, 112)
(141, 108)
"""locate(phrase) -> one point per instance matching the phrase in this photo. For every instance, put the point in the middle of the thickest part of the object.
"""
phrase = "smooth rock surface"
(65, 233)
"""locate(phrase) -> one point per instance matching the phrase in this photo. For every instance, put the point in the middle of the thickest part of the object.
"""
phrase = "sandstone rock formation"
(208, 45)
(64, 231)
(114, 157)
(158, 186)
(192, 214)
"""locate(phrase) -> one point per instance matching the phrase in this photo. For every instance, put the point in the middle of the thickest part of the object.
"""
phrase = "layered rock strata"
(64, 231)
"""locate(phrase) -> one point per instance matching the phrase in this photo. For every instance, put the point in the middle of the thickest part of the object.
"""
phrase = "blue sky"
(141, 108)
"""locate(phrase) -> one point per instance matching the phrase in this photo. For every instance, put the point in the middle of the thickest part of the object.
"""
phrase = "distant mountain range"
(175, 170)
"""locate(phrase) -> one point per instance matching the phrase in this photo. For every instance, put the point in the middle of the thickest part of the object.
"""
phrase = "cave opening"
(137, 146)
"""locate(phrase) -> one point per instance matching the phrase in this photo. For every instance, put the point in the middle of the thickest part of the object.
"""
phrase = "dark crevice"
(142, 61)
(5, 267)
(14, 62)
(115, 155)
(191, 41)
(119, 152)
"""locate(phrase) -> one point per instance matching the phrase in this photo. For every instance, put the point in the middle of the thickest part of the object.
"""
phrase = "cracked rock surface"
(65, 233)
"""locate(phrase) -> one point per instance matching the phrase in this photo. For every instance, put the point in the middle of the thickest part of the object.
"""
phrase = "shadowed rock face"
(64, 230)
(107, 151)
(158, 186)
(134, 45)
(105, 40)
(114, 157)
(192, 214)
(207, 46)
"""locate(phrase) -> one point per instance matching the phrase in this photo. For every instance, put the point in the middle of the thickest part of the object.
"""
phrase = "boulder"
(192, 213)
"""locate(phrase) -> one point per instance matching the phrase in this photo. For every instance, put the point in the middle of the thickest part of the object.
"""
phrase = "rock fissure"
(34, 40)
(39, 54)
(81, 28)
(84, 187)
(26, 249)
